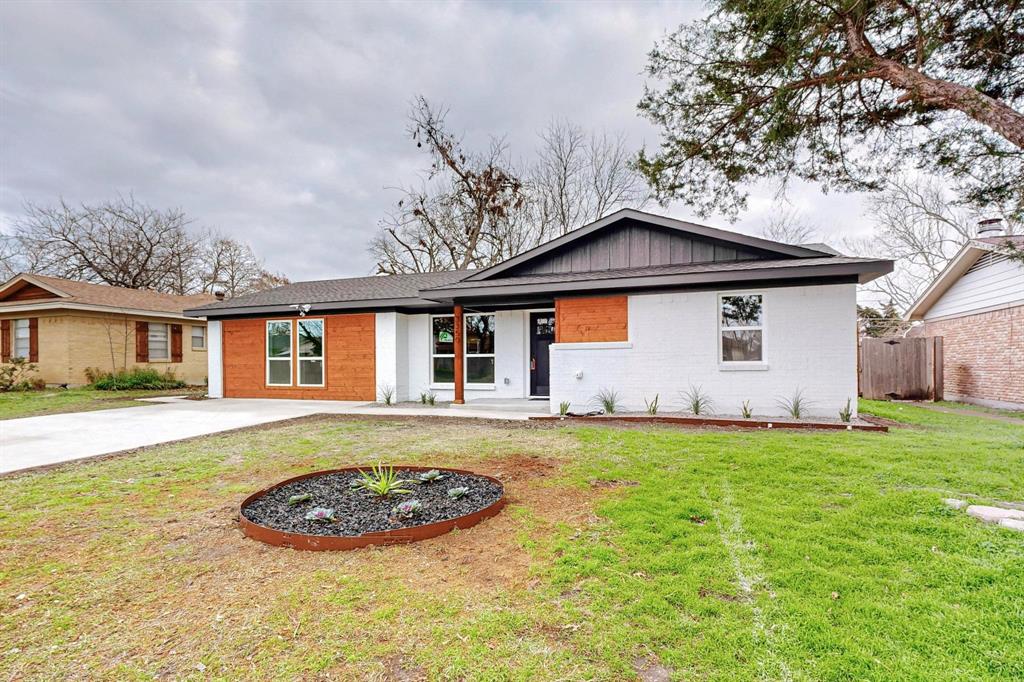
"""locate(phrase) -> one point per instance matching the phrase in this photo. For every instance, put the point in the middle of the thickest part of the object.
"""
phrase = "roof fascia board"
(88, 307)
(874, 268)
(326, 306)
(661, 221)
(960, 263)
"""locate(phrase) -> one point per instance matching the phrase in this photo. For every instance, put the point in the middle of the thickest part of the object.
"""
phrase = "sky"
(284, 124)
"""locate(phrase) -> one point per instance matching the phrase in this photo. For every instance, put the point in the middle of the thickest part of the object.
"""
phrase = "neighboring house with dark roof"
(66, 327)
(976, 305)
(634, 302)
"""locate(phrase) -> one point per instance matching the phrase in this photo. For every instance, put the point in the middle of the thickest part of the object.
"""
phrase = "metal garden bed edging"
(713, 421)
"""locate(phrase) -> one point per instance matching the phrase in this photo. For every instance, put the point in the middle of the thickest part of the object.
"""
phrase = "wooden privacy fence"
(901, 369)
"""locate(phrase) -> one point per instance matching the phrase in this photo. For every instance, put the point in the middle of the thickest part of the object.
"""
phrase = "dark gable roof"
(397, 289)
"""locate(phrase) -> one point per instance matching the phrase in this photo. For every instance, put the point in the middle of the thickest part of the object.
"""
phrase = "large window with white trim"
(479, 349)
(741, 327)
(279, 353)
(311, 352)
(442, 349)
(159, 341)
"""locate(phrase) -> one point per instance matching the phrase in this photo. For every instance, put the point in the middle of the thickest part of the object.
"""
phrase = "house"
(634, 302)
(66, 327)
(976, 304)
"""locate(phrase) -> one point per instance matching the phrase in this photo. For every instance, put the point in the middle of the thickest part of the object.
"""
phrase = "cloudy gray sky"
(282, 124)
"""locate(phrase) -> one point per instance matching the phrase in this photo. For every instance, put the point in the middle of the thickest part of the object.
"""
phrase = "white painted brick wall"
(214, 359)
(809, 342)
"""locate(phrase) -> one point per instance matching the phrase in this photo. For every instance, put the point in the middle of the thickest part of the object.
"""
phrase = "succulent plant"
(456, 493)
(383, 481)
(321, 514)
(430, 476)
(407, 509)
(299, 499)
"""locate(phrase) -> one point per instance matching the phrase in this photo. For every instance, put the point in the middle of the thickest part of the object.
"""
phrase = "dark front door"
(542, 335)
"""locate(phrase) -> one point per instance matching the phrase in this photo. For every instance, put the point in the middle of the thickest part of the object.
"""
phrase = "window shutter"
(5, 339)
(33, 339)
(142, 342)
(175, 343)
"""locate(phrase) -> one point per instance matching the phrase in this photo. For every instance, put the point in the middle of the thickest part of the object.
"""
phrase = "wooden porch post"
(459, 372)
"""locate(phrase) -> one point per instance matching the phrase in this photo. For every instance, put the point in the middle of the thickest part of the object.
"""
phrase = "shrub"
(137, 379)
(430, 476)
(383, 481)
(846, 414)
(456, 493)
(652, 406)
(563, 407)
(93, 374)
(796, 405)
(697, 401)
(431, 398)
(15, 375)
(321, 514)
(745, 410)
(423, 398)
(387, 393)
(608, 399)
(407, 509)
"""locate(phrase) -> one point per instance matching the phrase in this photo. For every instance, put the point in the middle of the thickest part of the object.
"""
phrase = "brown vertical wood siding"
(584, 320)
(349, 360)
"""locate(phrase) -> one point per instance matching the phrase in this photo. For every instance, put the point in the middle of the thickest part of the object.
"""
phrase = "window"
(21, 339)
(198, 338)
(741, 324)
(479, 349)
(442, 349)
(311, 352)
(279, 353)
(159, 342)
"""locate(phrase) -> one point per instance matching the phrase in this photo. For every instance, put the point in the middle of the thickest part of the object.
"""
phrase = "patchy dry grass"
(624, 553)
(17, 404)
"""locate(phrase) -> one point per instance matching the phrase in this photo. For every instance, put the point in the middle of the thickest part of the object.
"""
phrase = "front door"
(542, 335)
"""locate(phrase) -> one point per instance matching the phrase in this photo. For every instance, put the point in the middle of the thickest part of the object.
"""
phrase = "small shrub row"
(134, 379)
(16, 375)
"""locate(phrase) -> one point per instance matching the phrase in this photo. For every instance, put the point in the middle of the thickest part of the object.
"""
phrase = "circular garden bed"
(331, 510)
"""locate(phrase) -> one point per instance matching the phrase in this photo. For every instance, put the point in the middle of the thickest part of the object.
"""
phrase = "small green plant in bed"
(563, 407)
(652, 405)
(136, 379)
(383, 481)
(607, 399)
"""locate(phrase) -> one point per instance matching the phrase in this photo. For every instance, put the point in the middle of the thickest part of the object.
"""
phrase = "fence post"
(937, 368)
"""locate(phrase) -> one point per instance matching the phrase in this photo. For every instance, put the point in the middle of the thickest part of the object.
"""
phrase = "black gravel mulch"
(357, 511)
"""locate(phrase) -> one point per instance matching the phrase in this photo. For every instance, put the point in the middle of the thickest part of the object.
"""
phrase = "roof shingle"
(118, 297)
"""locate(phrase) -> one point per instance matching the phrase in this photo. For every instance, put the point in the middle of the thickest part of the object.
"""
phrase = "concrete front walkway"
(49, 439)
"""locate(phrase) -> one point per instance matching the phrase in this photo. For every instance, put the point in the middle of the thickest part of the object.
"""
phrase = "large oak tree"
(839, 92)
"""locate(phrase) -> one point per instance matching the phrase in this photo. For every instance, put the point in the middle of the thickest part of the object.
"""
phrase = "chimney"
(991, 227)
(219, 295)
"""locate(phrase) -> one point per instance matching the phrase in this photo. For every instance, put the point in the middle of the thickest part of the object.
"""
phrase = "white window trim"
(14, 339)
(190, 336)
(739, 365)
(291, 352)
(465, 353)
(149, 346)
(299, 358)
(465, 365)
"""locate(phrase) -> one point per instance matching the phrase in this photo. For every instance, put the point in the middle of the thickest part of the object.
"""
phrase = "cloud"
(283, 124)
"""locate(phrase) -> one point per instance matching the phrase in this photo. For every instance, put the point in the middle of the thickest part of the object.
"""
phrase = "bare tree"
(232, 267)
(786, 224)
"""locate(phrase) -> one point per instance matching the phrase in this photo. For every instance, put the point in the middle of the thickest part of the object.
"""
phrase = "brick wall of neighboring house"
(592, 319)
(983, 355)
(349, 360)
(52, 331)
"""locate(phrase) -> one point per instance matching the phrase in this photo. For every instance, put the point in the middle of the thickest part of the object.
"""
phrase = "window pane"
(479, 370)
(741, 311)
(311, 339)
(479, 334)
(158, 348)
(279, 339)
(444, 370)
(311, 372)
(280, 372)
(444, 335)
(21, 337)
(198, 338)
(741, 346)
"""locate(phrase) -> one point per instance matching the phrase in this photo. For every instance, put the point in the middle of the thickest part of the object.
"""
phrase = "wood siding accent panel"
(633, 245)
(33, 339)
(142, 342)
(28, 292)
(349, 359)
(5, 340)
(176, 343)
(591, 319)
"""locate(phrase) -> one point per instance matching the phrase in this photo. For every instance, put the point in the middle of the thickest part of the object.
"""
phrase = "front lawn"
(16, 404)
(726, 555)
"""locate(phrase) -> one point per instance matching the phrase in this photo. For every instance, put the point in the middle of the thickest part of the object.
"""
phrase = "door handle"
(533, 364)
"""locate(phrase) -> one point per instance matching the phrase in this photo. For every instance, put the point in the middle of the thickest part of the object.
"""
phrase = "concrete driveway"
(49, 439)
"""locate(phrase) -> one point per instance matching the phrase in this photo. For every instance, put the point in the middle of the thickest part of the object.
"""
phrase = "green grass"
(725, 555)
(52, 401)
(1017, 414)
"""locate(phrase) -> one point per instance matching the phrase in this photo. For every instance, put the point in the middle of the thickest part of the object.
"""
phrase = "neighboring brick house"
(636, 303)
(976, 305)
(66, 327)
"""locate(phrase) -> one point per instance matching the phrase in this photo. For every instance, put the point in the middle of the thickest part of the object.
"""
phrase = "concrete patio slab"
(51, 439)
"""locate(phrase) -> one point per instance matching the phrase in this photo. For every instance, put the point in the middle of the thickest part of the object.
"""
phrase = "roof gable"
(970, 254)
(632, 239)
(25, 287)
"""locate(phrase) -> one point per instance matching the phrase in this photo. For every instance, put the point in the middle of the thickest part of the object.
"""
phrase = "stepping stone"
(954, 503)
(1013, 524)
(994, 514)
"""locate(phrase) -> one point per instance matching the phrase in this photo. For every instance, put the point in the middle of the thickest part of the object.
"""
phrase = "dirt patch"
(612, 484)
(650, 669)
(708, 593)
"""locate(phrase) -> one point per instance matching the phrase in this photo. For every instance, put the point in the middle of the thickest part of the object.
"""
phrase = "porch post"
(459, 372)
